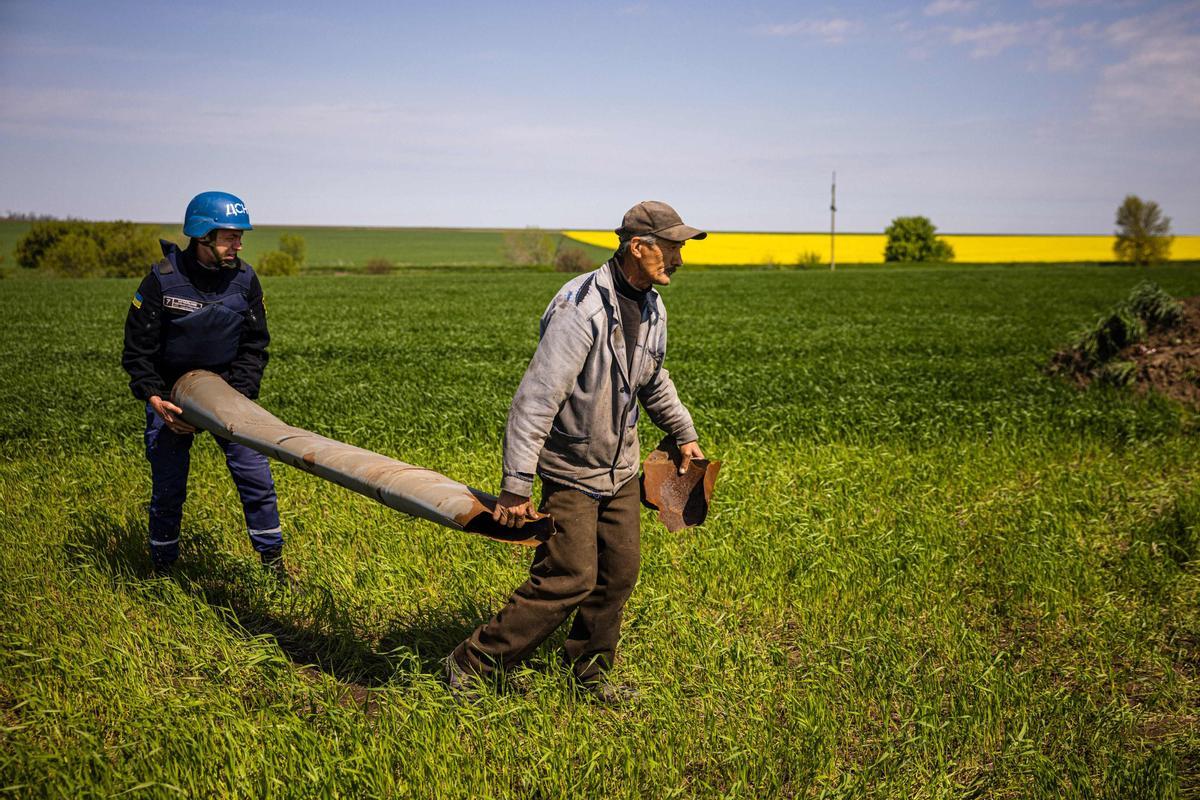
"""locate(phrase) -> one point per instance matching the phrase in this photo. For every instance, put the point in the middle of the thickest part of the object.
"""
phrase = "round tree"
(915, 239)
(1143, 232)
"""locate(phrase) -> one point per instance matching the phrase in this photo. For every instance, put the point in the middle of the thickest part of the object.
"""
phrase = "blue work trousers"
(169, 454)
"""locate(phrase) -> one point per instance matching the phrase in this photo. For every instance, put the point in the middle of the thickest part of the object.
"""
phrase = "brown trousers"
(590, 567)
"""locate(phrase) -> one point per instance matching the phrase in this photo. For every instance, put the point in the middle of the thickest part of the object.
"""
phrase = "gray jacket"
(574, 416)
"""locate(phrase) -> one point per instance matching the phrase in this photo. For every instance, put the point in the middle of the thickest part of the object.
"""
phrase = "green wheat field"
(931, 569)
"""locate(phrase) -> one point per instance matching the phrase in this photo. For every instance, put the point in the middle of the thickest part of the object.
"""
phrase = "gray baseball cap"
(657, 218)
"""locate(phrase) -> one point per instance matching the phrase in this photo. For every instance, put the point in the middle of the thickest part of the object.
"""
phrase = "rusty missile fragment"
(681, 500)
(210, 403)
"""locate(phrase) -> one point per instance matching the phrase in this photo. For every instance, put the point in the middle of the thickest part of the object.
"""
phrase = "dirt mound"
(1166, 360)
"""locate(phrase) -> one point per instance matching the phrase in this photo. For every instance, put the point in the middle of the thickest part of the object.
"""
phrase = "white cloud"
(830, 31)
(991, 39)
(1157, 77)
(941, 7)
(383, 128)
(1146, 65)
(1057, 5)
(1061, 52)
(1049, 44)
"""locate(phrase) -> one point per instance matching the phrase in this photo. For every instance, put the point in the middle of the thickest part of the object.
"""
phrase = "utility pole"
(833, 223)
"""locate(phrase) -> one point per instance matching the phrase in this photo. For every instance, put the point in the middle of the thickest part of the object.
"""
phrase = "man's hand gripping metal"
(171, 414)
(513, 510)
(687, 452)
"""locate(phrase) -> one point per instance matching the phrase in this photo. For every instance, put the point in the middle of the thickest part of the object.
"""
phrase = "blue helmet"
(211, 210)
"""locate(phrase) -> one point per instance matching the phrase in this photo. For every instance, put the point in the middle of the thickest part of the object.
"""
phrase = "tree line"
(1143, 236)
(76, 248)
(122, 249)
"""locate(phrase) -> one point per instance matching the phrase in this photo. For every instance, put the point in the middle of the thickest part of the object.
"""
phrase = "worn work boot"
(162, 568)
(464, 686)
(607, 693)
(272, 562)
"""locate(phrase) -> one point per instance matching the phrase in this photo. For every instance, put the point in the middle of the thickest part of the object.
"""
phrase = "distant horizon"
(548, 228)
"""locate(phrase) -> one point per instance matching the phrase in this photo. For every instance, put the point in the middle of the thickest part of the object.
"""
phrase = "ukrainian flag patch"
(137, 299)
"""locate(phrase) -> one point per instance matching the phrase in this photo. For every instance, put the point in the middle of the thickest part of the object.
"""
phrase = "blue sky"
(1016, 117)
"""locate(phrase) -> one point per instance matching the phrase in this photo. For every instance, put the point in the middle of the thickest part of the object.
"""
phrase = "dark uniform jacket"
(166, 335)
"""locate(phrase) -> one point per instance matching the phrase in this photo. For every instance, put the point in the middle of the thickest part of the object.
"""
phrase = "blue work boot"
(163, 554)
(162, 567)
(272, 562)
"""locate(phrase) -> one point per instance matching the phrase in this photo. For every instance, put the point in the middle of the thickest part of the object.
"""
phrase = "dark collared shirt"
(631, 300)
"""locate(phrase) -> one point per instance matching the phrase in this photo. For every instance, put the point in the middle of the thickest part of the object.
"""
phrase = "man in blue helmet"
(201, 308)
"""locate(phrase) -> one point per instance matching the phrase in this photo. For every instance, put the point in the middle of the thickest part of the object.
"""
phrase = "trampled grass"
(931, 571)
(867, 248)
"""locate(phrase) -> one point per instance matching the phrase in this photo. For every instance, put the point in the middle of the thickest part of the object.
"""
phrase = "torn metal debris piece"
(681, 500)
(210, 403)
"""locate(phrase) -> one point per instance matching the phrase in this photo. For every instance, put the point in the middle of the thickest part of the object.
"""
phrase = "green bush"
(1148, 308)
(572, 259)
(1154, 306)
(76, 255)
(1111, 335)
(294, 245)
(96, 249)
(915, 239)
(528, 247)
(274, 262)
(41, 237)
(128, 249)
(809, 259)
(379, 266)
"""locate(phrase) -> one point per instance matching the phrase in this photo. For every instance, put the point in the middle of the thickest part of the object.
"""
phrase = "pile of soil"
(1167, 361)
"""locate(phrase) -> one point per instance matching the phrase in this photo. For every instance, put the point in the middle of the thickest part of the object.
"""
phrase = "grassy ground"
(931, 571)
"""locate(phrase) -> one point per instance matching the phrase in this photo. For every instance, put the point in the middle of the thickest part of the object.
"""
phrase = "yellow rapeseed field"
(791, 248)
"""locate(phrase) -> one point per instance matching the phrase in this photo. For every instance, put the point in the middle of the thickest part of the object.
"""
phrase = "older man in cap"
(573, 422)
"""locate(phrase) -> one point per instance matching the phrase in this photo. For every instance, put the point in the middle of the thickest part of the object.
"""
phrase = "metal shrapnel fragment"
(681, 500)
(210, 403)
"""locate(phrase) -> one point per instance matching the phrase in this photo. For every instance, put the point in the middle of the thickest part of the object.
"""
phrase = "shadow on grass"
(309, 623)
